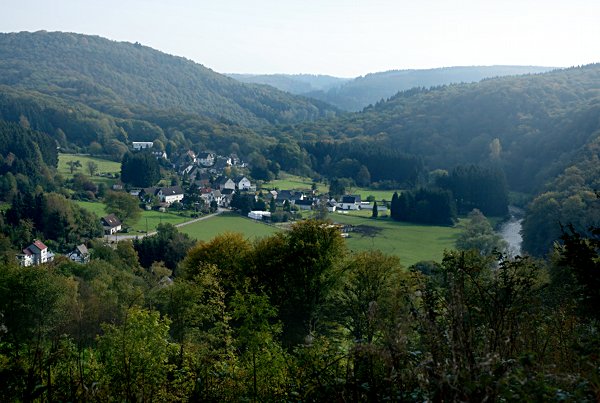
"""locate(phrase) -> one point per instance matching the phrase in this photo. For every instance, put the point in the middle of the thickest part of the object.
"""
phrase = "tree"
(479, 235)
(124, 206)
(92, 167)
(140, 169)
(134, 355)
(74, 165)
(272, 205)
(375, 211)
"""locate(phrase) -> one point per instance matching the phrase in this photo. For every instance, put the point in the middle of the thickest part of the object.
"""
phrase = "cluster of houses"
(38, 253)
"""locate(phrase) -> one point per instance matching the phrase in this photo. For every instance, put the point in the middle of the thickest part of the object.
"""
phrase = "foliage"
(124, 206)
(424, 206)
(480, 236)
(168, 246)
(140, 169)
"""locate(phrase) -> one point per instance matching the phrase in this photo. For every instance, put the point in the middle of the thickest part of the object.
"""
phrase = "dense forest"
(105, 74)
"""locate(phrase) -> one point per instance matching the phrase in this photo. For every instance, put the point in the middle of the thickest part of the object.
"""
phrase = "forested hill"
(105, 75)
(362, 91)
(532, 126)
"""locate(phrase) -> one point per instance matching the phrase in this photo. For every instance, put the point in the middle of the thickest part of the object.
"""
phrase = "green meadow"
(205, 230)
(104, 166)
(410, 242)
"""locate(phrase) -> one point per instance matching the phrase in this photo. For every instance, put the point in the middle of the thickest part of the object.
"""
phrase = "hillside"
(105, 75)
(540, 121)
(298, 84)
(363, 91)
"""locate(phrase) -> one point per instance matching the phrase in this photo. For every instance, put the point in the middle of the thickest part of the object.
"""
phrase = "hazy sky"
(337, 37)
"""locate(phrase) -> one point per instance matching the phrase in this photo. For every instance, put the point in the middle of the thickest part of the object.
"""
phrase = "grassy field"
(154, 217)
(411, 242)
(104, 166)
(207, 229)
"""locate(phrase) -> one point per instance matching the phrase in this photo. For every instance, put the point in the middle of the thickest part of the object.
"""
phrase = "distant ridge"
(358, 93)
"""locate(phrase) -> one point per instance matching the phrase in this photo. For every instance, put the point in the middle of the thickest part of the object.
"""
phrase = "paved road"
(118, 238)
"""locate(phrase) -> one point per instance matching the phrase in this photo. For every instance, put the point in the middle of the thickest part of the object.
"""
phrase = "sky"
(343, 38)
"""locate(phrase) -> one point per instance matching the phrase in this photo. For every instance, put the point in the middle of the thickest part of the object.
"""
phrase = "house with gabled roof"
(35, 254)
(111, 224)
(80, 254)
(243, 183)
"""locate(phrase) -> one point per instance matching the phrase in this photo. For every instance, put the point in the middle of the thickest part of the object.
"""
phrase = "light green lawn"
(206, 230)
(411, 242)
(104, 166)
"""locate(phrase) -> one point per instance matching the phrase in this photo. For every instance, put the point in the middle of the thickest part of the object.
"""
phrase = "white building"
(140, 145)
(35, 254)
(171, 194)
(259, 215)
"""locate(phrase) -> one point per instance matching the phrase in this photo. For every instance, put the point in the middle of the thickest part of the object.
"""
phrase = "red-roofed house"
(35, 254)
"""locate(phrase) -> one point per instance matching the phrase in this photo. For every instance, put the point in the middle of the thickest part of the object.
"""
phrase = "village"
(208, 182)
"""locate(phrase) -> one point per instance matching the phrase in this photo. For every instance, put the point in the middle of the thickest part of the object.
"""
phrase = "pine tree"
(375, 212)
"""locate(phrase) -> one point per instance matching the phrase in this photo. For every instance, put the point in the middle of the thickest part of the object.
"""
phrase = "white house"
(259, 215)
(80, 254)
(111, 224)
(170, 195)
(243, 183)
(35, 254)
(350, 202)
(140, 145)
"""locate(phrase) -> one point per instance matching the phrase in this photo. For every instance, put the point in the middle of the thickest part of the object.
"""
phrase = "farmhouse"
(111, 224)
(35, 254)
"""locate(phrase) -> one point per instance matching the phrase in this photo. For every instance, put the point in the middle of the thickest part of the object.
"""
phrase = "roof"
(241, 178)
(351, 199)
(226, 192)
(82, 249)
(285, 194)
(39, 244)
(173, 190)
(149, 191)
(111, 220)
(205, 155)
(303, 202)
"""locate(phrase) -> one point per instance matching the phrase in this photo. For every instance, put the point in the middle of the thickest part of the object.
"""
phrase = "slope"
(103, 73)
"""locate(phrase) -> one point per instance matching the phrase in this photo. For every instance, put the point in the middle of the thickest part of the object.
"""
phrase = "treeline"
(427, 206)
(295, 317)
(27, 159)
(364, 162)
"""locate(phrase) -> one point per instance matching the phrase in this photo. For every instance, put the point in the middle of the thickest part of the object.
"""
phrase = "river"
(510, 231)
